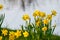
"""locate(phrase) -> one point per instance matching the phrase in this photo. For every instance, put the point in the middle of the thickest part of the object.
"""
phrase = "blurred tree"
(28, 3)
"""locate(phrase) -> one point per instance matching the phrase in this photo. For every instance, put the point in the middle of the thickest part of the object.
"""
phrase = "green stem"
(34, 33)
(26, 22)
(22, 27)
(50, 26)
(0, 30)
(53, 30)
(44, 32)
(25, 38)
(48, 38)
(29, 21)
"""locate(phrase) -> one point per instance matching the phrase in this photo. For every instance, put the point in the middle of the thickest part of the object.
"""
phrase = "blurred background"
(14, 9)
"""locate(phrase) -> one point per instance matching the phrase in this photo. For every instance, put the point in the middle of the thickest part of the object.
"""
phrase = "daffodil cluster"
(13, 35)
(42, 24)
(36, 30)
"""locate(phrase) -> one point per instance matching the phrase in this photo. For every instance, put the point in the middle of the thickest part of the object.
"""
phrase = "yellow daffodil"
(11, 35)
(44, 29)
(26, 34)
(39, 13)
(42, 14)
(45, 21)
(0, 37)
(1, 6)
(49, 17)
(18, 33)
(37, 22)
(4, 32)
(54, 12)
(12, 39)
(26, 17)
(36, 13)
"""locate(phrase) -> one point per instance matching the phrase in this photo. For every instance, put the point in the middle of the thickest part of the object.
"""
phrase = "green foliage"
(2, 16)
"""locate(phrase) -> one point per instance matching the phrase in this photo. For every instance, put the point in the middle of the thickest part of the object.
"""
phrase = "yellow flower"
(18, 33)
(36, 13)
(1, 6)
(11, 35)
(37, 22)
(26, 17)
(39, 13)
(54, 12)
(4, 32)
(45, 21)
(12, 39)
(26, 34)
(0, 37)
(49, 17)
(44, 29)
(42, 14)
